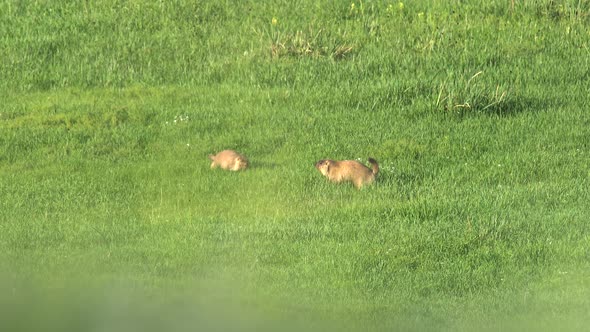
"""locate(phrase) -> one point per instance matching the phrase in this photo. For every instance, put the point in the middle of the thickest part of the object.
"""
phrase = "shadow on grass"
(508, 108)
(264, 165)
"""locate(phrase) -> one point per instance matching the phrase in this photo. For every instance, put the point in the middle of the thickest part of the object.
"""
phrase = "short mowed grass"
(478, 113)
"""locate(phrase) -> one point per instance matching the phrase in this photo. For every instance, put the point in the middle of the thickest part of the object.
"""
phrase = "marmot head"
(241, 163)
(323, 166)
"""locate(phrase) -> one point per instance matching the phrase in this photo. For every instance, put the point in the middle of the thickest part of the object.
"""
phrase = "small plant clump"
(471, 96)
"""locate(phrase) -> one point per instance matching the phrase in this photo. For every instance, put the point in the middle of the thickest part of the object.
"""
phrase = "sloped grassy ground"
(478, 114)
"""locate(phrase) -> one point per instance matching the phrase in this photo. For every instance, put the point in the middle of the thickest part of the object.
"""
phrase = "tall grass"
(476, 111)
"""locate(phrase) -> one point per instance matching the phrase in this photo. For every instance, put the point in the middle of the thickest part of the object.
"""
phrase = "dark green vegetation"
(477, 112)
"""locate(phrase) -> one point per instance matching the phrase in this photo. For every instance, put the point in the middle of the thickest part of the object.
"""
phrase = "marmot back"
(348, 170)
(229, 160)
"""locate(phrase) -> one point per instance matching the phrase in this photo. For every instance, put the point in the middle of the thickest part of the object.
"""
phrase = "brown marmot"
(348, 170)
(229, 160)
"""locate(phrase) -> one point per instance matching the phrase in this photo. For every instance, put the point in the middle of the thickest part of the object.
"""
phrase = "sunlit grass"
(108, 207)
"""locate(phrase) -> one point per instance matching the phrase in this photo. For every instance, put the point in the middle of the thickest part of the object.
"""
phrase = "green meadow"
(478, 113)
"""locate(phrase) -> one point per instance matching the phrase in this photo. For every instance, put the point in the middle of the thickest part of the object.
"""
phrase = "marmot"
(230, 160)
(348, 170)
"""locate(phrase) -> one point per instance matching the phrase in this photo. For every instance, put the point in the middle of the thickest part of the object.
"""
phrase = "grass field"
(477, 111)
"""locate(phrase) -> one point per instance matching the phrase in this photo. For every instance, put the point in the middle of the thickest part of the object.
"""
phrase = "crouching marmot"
(348, 170)
(229, 160)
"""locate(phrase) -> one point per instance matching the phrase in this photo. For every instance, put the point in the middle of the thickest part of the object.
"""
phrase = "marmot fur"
(229, 160)
(348, 170)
